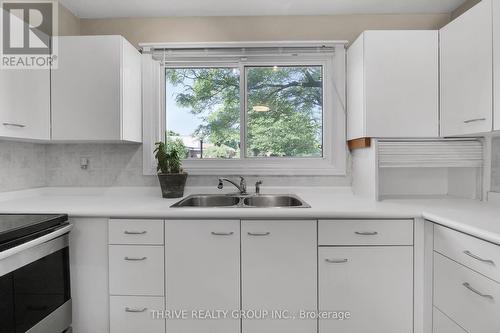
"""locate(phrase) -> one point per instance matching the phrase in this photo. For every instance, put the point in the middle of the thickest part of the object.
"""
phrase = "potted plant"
(170, 173)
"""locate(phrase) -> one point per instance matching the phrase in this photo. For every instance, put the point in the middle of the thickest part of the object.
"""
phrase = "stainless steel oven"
(35, 294)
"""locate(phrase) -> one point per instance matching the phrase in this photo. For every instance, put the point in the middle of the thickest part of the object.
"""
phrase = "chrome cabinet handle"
(474, 120)
(126, 232)
(215, 233)
(336, 261)
(135, 310)
(470, 254)
(135, 258)
(366, 233)
(475, 291)
(259, 233)
(14, 125)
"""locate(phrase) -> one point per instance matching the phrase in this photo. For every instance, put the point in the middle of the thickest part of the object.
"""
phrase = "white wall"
(256, 28)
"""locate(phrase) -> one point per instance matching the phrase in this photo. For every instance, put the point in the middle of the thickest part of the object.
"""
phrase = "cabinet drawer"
(468, 298)
(136, 270)
(443, 324)
(132, 314)
(365, 232)
(145, 232)
(474, 253)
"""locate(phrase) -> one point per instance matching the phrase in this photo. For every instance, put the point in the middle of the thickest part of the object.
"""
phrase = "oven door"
(35, 286)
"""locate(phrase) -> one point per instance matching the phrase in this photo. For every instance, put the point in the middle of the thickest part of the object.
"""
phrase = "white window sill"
(289, 167)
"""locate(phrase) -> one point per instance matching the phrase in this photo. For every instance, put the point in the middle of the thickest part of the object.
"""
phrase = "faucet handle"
(257, 187)
(243, 185)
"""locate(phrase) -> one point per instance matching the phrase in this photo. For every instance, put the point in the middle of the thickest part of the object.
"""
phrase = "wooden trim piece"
(359, 143)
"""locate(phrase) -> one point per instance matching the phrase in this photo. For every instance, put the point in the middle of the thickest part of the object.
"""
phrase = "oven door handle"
(37, 241)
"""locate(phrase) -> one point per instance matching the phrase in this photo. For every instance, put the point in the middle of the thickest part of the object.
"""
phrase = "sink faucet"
(242, 187)
(257, 187)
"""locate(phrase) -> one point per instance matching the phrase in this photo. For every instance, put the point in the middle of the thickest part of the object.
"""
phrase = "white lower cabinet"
(466, 290)
(443, 324)
(88, 254)
(203, 273)
(373, 284)
(469, 298)
(250, 276)
(133, 314)
(279, 273)
(136, 270)
(136, 276)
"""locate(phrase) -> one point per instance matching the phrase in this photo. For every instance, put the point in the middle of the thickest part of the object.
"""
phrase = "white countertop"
(480, 219)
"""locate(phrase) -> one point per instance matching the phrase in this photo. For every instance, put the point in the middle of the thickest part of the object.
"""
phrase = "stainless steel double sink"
(242, 201)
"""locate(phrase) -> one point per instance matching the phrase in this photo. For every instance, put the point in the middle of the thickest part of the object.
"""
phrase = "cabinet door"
(86, 89)
(88, 253)
(279, 273)
(374, 284)
(356, 122)
(131, 113)
(467, 73)
(203, 273)
(401, 83)
(496, 62)
(25, 104)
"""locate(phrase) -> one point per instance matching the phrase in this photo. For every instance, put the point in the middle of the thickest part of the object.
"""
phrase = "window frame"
(334, 159)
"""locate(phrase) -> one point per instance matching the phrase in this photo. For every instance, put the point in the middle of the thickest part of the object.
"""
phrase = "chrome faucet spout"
(242, 187)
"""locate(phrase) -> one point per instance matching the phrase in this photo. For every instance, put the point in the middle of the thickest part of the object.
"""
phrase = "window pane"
(203, 111)
(285, 111)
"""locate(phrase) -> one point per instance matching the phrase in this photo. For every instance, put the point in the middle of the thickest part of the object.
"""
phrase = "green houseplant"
(170, 174)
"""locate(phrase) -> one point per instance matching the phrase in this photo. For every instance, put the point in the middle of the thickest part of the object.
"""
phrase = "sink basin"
(242, 201)
(274, 201)
(208, 201)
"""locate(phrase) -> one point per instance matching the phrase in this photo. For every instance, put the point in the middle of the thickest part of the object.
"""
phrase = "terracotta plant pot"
(172, 184)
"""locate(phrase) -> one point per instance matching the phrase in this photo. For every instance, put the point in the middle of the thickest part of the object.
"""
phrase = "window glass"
(284, 111)
(203, 111)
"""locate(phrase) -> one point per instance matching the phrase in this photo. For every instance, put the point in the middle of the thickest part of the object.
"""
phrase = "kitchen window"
(255, 110)
(283, 114)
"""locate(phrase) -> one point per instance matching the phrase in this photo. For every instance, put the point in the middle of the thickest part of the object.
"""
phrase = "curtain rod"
(215, 45)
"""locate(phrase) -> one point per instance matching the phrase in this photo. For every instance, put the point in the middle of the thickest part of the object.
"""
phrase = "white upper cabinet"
(466, 66)
(392, 79)
(96, 90)
(496, 63)
(25, 104)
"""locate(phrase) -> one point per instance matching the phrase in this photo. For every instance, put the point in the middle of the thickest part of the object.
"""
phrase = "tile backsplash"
(109, 165)
(495, 165)
(28, 165)
(22, 165)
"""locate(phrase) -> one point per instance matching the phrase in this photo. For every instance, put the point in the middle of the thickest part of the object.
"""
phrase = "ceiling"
(160, 8)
